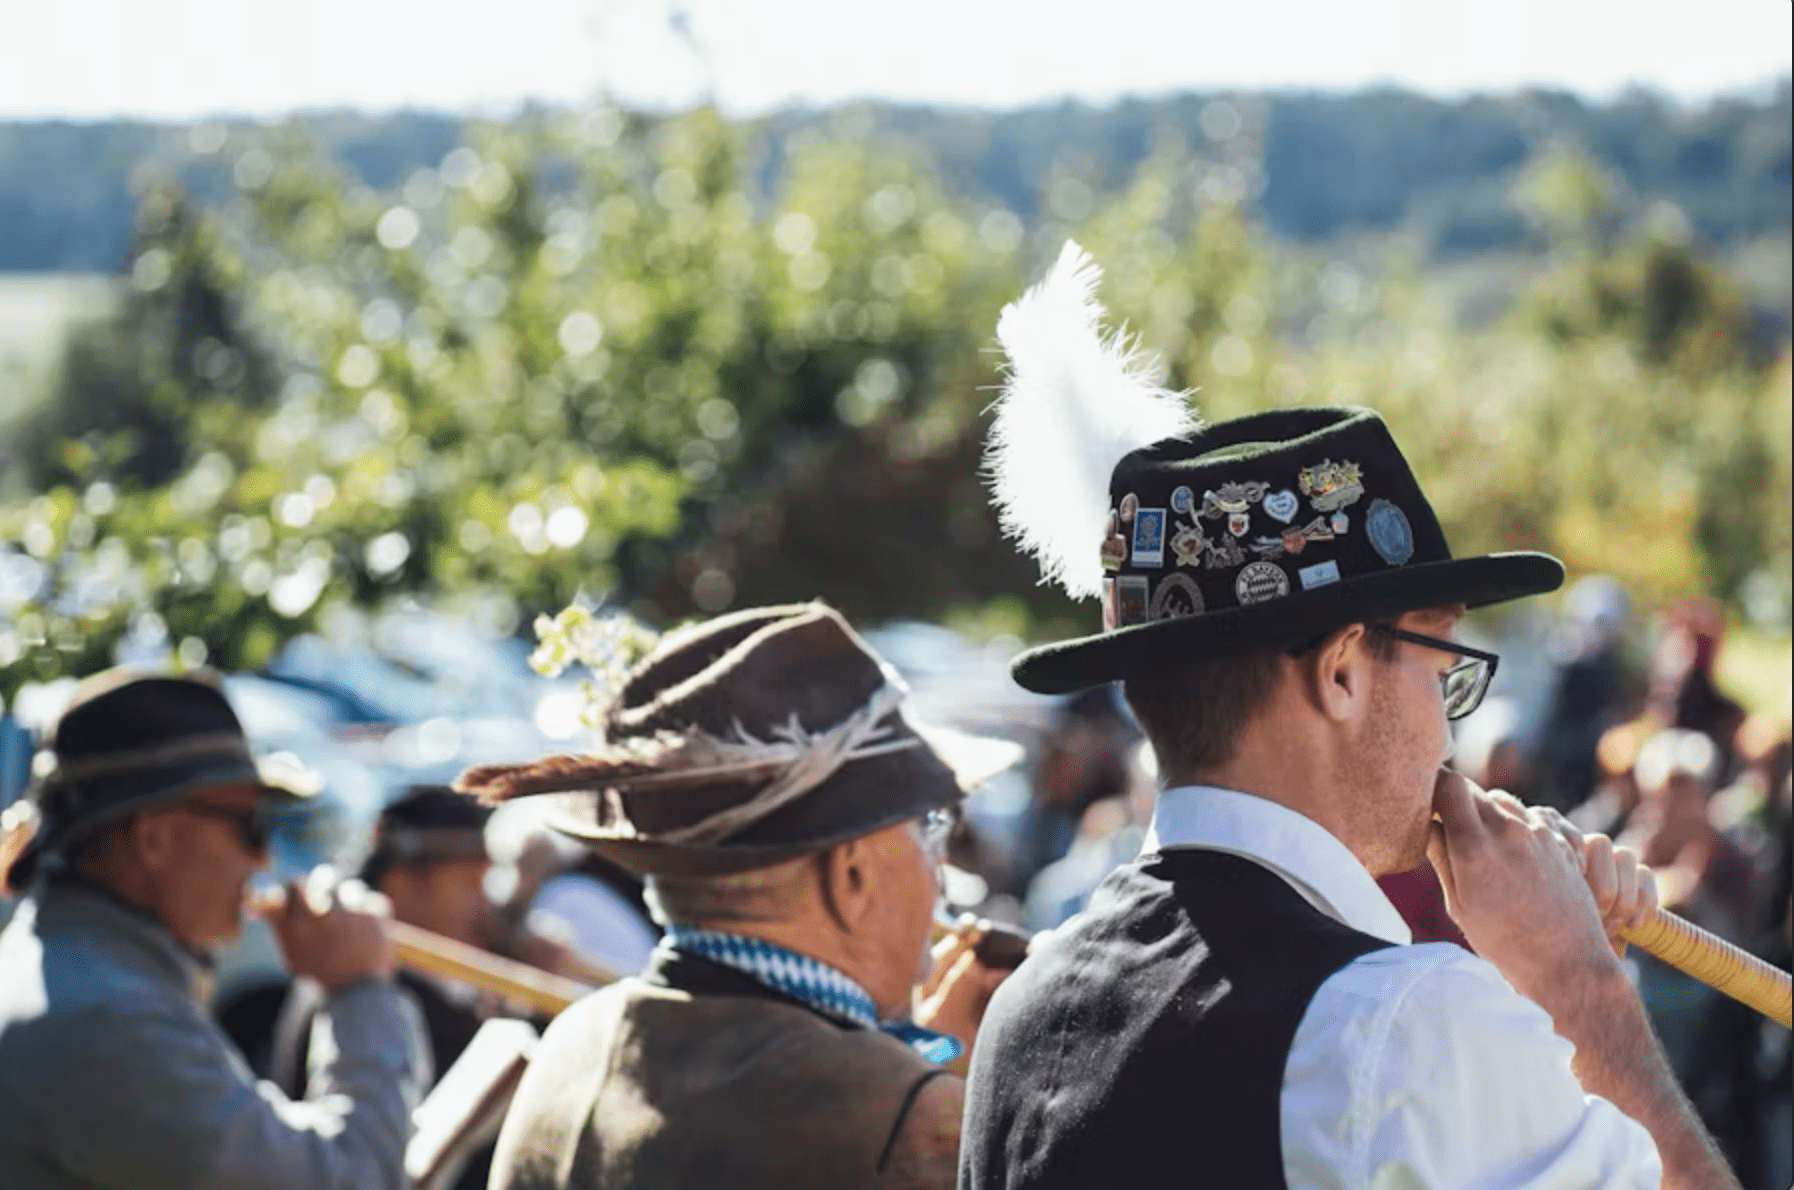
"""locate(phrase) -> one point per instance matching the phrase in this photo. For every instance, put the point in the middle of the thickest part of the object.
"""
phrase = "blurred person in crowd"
(1701, 874)
(584, 918)
(429, 861)
(1705, 876)
(1242, 1005)
(1610, 806)
(1683, 691)
(1747, 810)
(1109, 835)
(758, 771)
(1591, 690)
(1084, 757)
(112, 1073)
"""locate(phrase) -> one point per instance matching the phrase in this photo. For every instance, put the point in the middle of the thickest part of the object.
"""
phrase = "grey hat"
(130, 740)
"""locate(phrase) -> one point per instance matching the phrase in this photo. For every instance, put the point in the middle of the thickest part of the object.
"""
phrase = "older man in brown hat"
(757, 769)
(112, 1074)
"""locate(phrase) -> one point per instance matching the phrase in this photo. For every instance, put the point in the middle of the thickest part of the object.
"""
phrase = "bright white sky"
(186, 58)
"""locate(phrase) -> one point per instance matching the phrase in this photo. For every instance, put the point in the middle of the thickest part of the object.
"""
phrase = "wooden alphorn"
(520, 983)
(1717, 963)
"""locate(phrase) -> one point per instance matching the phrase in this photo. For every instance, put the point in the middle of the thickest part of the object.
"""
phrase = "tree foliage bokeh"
(674, 363)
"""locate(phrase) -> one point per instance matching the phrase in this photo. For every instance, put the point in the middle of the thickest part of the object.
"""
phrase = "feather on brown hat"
(744, 741)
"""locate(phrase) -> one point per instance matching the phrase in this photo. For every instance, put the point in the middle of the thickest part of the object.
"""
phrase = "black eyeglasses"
(1463, 685)
(251, 825)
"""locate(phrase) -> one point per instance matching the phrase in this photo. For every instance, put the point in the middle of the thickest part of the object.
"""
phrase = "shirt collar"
(1294, 846)
(132, 934)
(822, 987)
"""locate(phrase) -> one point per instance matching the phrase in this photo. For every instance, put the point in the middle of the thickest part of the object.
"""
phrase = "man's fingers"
(1440, 857)
(1455, 804)
(1644, 897)
(1566, 828)
(1604, 879)
(945, 954)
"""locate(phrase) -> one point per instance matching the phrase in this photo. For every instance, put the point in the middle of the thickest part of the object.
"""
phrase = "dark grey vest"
(1144, 1043)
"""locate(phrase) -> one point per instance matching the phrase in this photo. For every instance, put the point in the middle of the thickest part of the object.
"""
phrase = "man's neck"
(823, 945)
(1270, 782)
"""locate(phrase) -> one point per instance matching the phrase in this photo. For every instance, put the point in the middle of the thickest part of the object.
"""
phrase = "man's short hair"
(1194, 712)
(758, 895)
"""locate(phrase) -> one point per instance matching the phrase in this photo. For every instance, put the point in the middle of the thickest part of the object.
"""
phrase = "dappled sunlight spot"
(151, 270)
(381, 321)
(698, 460)
(1231, 356)
(675, 188)
(712, 590)
(889, 208)
(810, 271)
(486, 296)
(191, 653)
(474, 536)
(460, 166)
(718, 420)
(358, 367)
(492, 186)
(565, 526)
(1071, 199)
(100, 498)
(526, 523)
(794, 233)
(293, 593)
(579, 333)
(294, 509)
(256, 576)
(471, 246)
(397, 228)
(423, 189)
(385, 554)
(253, 169)
(1000, 231)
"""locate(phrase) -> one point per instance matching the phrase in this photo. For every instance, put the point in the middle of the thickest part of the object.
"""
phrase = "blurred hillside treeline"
(687, 364)
(1321, 166)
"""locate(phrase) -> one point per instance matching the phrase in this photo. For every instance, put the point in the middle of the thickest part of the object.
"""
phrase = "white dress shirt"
(1416, 1065)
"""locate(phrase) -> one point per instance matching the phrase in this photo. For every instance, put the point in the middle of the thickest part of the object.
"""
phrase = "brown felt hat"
(744, 741)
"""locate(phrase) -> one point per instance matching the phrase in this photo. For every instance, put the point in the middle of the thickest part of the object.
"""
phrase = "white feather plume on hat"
(1074, 401)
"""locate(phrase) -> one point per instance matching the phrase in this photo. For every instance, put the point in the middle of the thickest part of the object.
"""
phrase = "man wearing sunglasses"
(112, 1073)
(1242, 1005)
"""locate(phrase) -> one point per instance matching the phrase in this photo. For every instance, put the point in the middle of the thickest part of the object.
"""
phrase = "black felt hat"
(744, 741)
(426, 824)
(129, 740)
(1267, 530)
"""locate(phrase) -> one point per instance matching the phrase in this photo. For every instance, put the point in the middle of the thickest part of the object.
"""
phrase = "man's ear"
(845, 882)
(153, 840)
(1338, 676)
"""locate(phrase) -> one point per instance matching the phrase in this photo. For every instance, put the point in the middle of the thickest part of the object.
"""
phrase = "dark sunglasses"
(251, 825)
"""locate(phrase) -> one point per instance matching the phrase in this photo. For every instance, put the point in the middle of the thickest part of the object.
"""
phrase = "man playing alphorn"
(758, 770)
(1241, 1006)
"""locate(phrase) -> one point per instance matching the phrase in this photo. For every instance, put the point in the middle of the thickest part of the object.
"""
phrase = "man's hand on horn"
(1534, 896)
